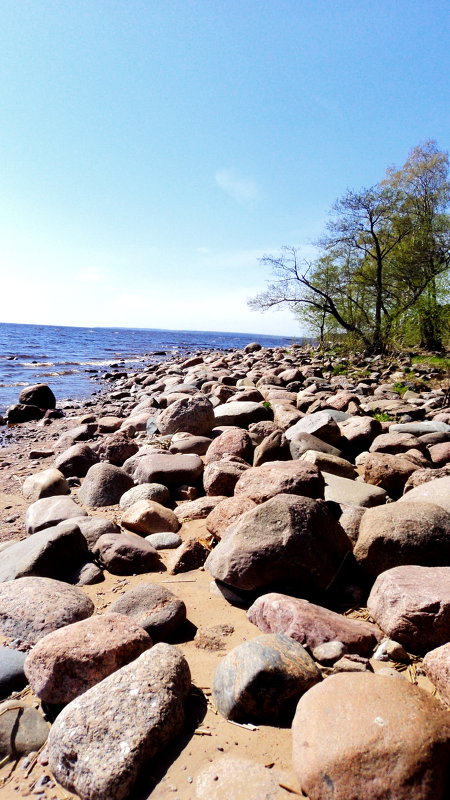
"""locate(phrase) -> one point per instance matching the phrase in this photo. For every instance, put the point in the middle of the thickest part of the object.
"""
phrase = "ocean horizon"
(73, 360)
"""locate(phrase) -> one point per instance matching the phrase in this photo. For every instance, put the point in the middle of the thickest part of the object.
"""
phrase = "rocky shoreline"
(299, 505)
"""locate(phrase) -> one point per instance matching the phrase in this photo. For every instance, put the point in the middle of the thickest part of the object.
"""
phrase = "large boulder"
(189, 414)
(50, 511)
(403, 533)
(371, 737)
(67, 662)
(261, 680)
(102, 739)
(48, 483)
(117, 448)
(352, 493)
(287, 539)
(156, 609)
(32, 607)
(312, 625)
(170, 470)
(280, 477)
(94, 527)
(76, 460)
(235, 441)
(126, 554)
(436, 665)
(104, 485)
(51, 553)
(39, 395)
(23, 413)
(411, 604)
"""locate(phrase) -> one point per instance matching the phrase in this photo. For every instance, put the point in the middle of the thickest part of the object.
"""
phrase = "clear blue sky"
(152, 150)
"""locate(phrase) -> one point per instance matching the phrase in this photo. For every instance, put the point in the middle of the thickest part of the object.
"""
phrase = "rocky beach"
(227, 576)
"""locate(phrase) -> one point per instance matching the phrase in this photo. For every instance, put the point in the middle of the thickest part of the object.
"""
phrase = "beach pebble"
(23, 729)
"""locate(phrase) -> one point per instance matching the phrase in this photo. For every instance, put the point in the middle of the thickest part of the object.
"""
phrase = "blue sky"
(152, 150)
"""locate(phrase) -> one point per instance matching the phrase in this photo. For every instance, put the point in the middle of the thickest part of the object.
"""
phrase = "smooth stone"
(155, 608)
(164, 541)
(48, 483)
(352, 493)
(49, 512)
(262, 679)
(145, 491)
(51, 553)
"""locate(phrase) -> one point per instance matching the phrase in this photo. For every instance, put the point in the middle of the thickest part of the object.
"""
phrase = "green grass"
(441, 362)
(383, 416)
(400, 388)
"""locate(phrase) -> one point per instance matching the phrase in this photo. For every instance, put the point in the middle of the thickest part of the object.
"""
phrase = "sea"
(73, 361)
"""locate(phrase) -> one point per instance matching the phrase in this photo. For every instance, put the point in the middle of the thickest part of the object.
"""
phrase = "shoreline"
(294, 385)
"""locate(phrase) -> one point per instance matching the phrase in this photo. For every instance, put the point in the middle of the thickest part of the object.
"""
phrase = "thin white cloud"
(243, 190)
(91, 274)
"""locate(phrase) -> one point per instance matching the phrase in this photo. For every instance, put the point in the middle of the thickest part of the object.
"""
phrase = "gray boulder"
(50, 511)
(262, 679)
(51, 553)
(156, 609)
(104, 485)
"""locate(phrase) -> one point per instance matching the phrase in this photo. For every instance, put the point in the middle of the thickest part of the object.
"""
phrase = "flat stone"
(156, 609)
(420, 428)
(241, 413)
(436, 491)
(67, 662)
(49, 512)
(32, 607)
(352, 493)
(329, 463)
(321, 424)
(312, 625)
(102, 739)
(384, 738)
(171, 470)
(262, 679)
(198, 509)
(51, 553)
(190, 444)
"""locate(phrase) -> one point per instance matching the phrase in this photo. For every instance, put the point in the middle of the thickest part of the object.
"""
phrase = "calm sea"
(72, 360)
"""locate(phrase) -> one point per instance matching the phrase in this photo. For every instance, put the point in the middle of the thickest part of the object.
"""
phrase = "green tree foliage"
(385, 256)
